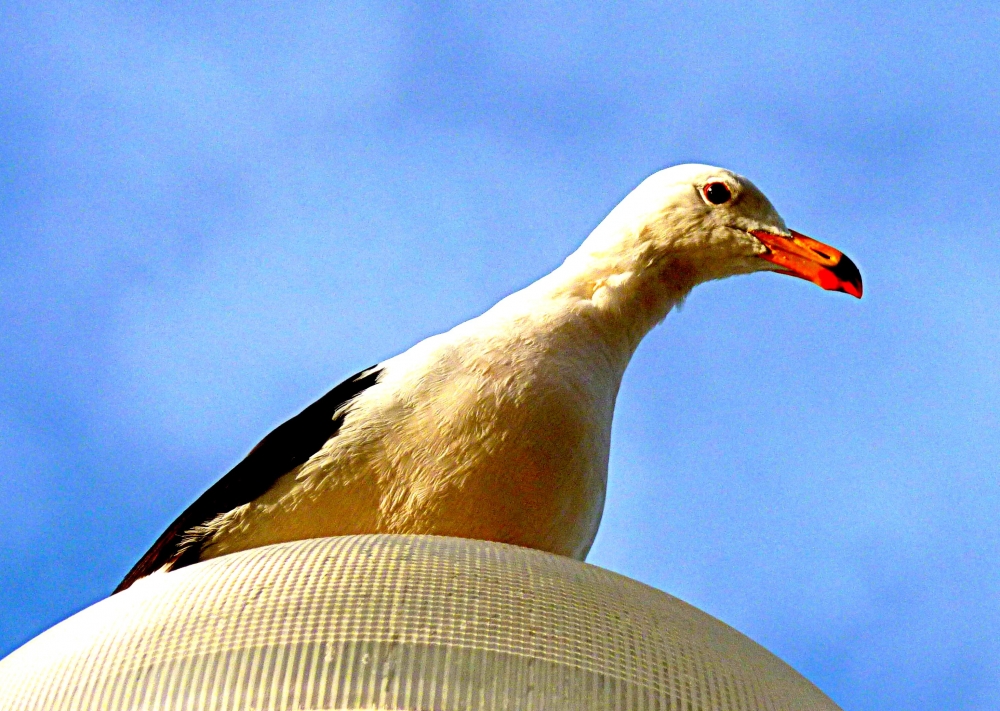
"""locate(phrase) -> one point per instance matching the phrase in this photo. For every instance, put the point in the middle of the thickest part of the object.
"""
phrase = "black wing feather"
(288, 446)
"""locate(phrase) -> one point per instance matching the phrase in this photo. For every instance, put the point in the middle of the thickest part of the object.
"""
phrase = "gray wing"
(290, 445)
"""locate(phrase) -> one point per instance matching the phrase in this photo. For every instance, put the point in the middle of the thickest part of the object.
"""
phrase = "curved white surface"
(397, 622)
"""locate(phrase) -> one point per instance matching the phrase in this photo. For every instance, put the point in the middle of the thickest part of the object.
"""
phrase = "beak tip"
(849, 275)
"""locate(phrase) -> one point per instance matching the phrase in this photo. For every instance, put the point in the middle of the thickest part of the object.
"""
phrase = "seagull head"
(692, 223)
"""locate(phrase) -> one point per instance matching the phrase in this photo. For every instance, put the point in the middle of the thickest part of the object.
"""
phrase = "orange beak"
(805, 258)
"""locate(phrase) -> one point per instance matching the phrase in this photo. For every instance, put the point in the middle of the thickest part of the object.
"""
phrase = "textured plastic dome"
(397, 622)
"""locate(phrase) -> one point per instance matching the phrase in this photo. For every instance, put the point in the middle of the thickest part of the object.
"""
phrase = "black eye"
(717, 193)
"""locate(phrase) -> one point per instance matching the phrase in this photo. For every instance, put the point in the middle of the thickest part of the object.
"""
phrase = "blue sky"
(211, 214)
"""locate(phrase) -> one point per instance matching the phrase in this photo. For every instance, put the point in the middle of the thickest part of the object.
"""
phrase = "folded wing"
(290, 445)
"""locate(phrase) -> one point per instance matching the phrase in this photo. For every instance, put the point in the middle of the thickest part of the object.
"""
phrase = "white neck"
(613, 290)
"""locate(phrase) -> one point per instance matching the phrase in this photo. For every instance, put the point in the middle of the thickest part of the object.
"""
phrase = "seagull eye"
(717, 193)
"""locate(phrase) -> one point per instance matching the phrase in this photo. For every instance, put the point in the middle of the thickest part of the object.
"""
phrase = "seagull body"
(500, 428)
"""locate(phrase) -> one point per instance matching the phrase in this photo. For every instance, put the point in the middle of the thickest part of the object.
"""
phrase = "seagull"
(500, 429)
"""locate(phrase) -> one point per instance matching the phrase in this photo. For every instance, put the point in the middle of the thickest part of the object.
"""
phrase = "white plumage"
(500, 428)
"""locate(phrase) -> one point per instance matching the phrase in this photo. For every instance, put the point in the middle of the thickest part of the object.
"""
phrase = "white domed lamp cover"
(396, 622)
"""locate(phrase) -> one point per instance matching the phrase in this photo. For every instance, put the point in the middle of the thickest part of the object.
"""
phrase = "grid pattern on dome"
(305, 614)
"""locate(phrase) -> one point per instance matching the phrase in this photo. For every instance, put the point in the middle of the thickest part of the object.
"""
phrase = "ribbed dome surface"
(397, 622)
